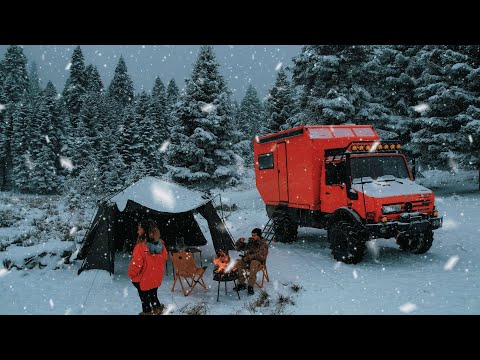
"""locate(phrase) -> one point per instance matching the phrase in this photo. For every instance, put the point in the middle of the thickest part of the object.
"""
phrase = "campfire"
(224, 267)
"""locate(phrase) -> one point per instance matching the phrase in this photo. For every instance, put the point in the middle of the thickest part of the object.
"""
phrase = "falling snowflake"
(3, 272)
(420, 108)
(230, 265)
(51, 303)
(355, 275)
(2, 107)
(164, 146)
(66, 163)
(73, 230)
(407, 308)
(470, 138)
(169, 309)
(208, 108)
(279, 66)
(69, 65)
(374, 146)
(47, 139)
(373, 248)
(451, 262)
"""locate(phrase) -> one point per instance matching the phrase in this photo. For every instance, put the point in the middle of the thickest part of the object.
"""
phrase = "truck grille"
(422, 206)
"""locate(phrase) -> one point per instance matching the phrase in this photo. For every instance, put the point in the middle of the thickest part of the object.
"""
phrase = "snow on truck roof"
(324, 132)
(160, 195)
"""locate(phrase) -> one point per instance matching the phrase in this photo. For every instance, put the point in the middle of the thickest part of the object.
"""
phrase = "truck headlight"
(437, 222)
(389, 209)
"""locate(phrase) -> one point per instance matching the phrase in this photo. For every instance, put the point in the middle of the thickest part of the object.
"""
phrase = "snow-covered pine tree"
(249, 118)
(159, 95)
(121, 87)
(249, 122)
(57, 134)
(6, 130)
(173, 93)
(13, 88)
(392, 73)
(43, 138)
(21, 156)
(450, 105)
(334, 86)
(15, 83)
(157, 117)
(173, 98)
(75, 86)
(147, 146)
(93, 82)
(34, 81)
(129, 137)
(201, 149)
(111, 166)
(279, 104)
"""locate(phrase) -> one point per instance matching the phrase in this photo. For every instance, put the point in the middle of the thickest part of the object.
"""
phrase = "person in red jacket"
(147, 266)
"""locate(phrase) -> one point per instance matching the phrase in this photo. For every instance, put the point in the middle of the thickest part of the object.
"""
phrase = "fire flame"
(223, 263)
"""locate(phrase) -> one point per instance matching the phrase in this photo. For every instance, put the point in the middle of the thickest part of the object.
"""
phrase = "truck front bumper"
(391, 228)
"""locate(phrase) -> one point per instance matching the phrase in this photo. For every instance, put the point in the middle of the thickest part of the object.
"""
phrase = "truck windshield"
(378, 166)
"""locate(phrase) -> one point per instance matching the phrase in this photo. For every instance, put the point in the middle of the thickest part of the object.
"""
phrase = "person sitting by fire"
(255, 254)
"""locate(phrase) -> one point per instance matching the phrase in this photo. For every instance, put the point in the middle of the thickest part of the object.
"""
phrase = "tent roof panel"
(160, 195)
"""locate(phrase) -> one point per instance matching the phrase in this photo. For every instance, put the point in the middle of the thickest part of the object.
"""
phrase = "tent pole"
(83, 305)
(223, 217)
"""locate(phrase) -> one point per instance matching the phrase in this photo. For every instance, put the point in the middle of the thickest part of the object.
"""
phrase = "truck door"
(282, 172)
(333, 194)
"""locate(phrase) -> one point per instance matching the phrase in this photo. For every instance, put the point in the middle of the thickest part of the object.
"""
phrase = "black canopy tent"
(172, 206)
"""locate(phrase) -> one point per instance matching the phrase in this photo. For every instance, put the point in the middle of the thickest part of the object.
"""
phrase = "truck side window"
(265, 161)
(335, 173)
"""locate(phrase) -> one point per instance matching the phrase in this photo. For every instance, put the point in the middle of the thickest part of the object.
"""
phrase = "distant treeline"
(93, 140)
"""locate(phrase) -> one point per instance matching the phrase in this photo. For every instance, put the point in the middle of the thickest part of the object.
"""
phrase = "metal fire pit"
(225, 277)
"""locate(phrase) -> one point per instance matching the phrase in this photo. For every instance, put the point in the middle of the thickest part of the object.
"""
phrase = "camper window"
(335, 173)
(265, 161)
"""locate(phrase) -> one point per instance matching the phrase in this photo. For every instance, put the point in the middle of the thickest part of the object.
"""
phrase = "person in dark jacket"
(147, 266)
(254, 256)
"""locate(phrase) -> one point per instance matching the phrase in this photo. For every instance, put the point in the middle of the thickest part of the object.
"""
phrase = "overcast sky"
(240, 64)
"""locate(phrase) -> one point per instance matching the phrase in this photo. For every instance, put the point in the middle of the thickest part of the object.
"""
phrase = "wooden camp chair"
(264, 274)
(186, 268)
(263, 269)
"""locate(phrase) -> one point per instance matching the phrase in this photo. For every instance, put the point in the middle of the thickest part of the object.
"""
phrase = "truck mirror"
(352, 194)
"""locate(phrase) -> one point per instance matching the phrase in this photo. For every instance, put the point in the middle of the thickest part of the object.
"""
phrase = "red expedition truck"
(346, 180)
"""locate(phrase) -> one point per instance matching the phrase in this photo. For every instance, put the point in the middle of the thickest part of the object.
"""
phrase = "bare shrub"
(200, 308)
(261, 301)
(8, 218)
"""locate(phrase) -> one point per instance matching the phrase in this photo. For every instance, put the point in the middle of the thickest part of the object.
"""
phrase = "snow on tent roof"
(160, 195)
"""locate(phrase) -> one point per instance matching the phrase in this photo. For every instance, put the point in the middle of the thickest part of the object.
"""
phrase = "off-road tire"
(347, 242)
(416, 244)
(284, 228)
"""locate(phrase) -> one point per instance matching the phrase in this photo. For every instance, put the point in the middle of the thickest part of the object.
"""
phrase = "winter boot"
(250, 290)
(146, 313)
(239, 287)
(158, 310)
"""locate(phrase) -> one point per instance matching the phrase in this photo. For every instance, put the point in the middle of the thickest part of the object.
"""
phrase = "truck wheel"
(285, 229)
(416, 244)
(347, 242)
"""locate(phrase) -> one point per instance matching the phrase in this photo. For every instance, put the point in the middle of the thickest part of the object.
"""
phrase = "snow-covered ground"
(304, 277)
